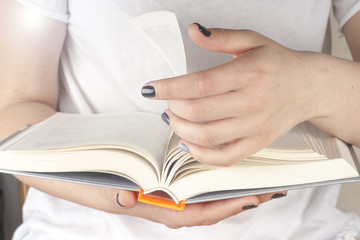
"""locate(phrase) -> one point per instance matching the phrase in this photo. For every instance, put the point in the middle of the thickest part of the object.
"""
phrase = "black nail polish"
(204, 30)
(118, 202)
(278, 195)
(165, 118)
(249, 206)
(148, 91)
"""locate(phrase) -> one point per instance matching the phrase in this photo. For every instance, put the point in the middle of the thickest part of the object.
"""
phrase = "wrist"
(336, 108)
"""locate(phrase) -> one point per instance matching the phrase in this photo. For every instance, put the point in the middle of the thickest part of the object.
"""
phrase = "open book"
(136, 150)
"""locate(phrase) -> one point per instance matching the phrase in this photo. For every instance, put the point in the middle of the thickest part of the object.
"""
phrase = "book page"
(252, 177)
(162, 30)
(70, 162)
(302, 143)
(143, 133)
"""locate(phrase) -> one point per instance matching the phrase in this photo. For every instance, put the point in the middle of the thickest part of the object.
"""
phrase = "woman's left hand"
(228, 112)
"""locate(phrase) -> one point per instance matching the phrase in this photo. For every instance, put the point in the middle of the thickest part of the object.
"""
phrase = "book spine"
(160, 202)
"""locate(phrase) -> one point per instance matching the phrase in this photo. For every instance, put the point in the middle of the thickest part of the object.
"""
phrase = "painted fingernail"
(249, 206)
(206, 32)
(148, 91)
(278, 195)
(118, 202)
(165, 118)
(183, 147)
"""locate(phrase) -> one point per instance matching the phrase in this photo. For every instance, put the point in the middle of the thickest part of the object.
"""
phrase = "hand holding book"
(196, 214)
(133, 150)
(231, 111)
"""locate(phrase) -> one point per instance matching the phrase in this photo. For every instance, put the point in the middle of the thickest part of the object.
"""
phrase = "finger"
(216, 107)
(195, 214)
(227, 154)
(270, 196)
(279, 195)
(215, 132)
(125, 199)
(218, 210)
(213, 212)
(235, 42)
(220, 79)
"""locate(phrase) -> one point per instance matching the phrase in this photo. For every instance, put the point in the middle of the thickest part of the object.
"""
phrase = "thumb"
(230, 41)
(125, 199)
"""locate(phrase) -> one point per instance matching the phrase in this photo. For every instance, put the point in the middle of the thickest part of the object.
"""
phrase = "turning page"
(162, 30)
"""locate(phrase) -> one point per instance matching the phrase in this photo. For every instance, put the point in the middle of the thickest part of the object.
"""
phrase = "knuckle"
(255, 74)
(224, 35)
(163, 91)
(261, 71)
(203, 84)
(257, 68)
(206, 138)
(251, 33)
(193, 111)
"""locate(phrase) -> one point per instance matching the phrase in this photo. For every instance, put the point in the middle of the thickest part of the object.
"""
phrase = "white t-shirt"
(105, 63)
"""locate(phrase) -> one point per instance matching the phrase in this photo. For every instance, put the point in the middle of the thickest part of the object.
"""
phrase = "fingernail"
(118, 202)
(165, 118)
(278, 195)
(183, 147)
(148, 91)
(206, 32)
(249, 206)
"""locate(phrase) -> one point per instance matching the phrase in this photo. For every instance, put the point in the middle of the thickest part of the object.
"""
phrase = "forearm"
(338, 109)
(91, 196)
(352, 34)
(19, 115)
(343, 104)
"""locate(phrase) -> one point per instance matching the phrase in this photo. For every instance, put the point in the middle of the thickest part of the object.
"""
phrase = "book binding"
(160, 202)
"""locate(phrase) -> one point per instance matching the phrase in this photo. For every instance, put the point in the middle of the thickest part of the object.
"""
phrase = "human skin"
(29, 94)
(231, 111)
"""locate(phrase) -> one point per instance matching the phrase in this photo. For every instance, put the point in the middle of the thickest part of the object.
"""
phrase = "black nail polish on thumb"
(206, 32)
(118, 202)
